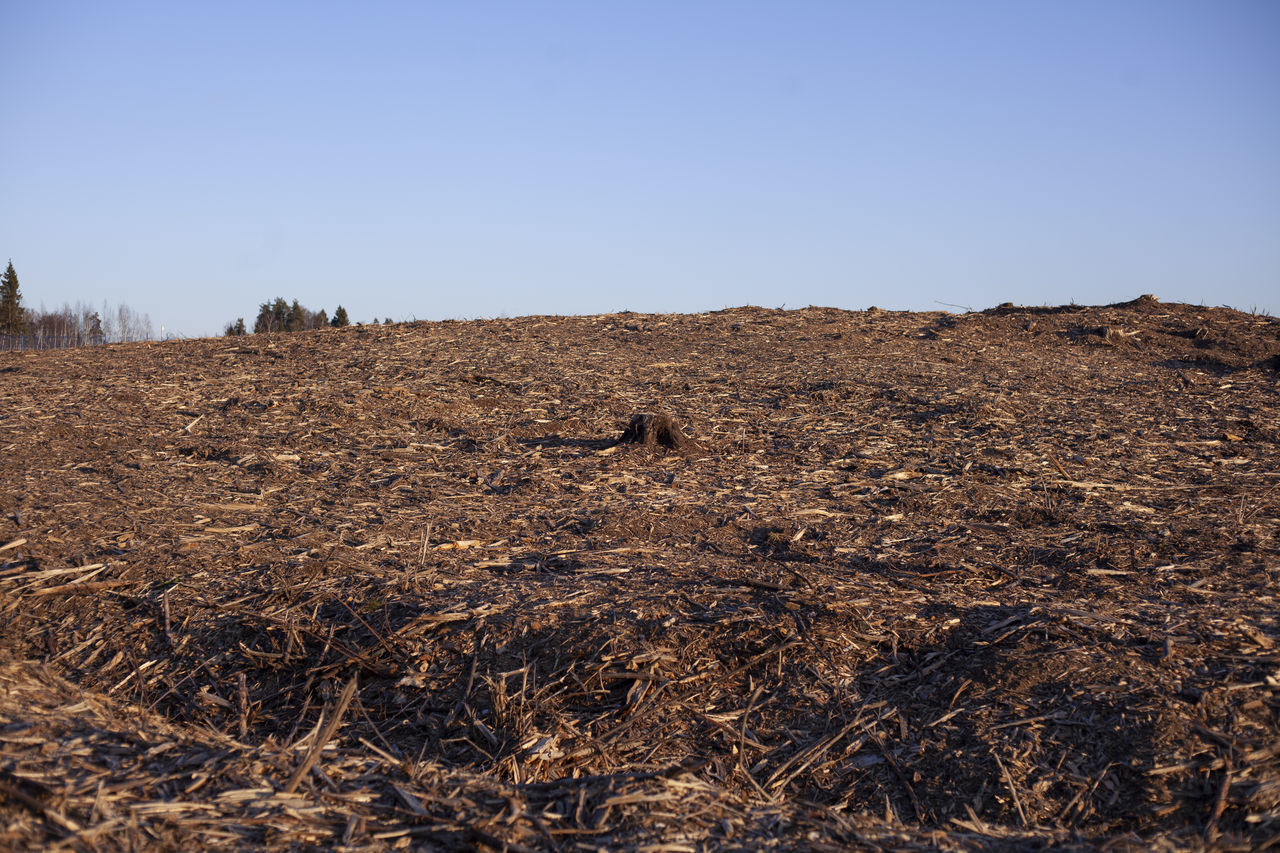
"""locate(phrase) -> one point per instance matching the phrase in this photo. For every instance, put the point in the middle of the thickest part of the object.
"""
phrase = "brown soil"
(1002, 580)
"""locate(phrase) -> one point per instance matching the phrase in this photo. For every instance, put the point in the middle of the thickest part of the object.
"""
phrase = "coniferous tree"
(12, 317)
(265, 320)
(95, 333)
(280, 314)
(272, 317)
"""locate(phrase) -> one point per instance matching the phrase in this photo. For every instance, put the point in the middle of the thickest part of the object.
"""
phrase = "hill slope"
(919, 580)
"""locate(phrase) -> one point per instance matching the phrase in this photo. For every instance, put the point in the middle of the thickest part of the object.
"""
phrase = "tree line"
(68, 326)
(281, 316)
(85, 325)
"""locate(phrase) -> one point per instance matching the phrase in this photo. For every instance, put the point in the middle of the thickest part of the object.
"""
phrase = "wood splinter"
(326, 732)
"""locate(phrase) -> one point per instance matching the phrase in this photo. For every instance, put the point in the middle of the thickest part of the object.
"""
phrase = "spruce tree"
(340, 317)
(11, 314)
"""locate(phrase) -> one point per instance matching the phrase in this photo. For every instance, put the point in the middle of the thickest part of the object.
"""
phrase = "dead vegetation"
(990, 581)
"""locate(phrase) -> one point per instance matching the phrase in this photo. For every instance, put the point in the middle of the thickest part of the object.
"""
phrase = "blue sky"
(435, 160)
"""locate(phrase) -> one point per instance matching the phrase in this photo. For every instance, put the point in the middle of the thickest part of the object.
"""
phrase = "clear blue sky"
(469, 159)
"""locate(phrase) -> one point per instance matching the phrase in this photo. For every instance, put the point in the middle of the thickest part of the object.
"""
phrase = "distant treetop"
(279, 315)
(12, 316)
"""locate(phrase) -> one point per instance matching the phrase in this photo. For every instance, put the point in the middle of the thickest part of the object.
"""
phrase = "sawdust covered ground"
(917, 581)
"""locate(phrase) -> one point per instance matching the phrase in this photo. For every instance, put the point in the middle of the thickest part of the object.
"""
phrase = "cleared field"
(959, 582)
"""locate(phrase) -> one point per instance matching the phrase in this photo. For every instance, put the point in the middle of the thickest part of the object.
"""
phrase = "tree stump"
(656, 430)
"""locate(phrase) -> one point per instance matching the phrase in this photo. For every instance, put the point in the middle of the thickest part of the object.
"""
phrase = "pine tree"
(12, 317)
(280, 314)
(265, 322)
(96, 335)
(340, 317)
(272, 317)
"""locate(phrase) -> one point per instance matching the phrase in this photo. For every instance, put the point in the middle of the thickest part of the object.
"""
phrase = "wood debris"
(997, 580)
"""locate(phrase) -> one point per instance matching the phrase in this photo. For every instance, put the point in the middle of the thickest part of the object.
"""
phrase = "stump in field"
(656, 430)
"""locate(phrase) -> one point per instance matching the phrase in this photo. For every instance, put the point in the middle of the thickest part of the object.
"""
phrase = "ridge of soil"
(999, 580)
